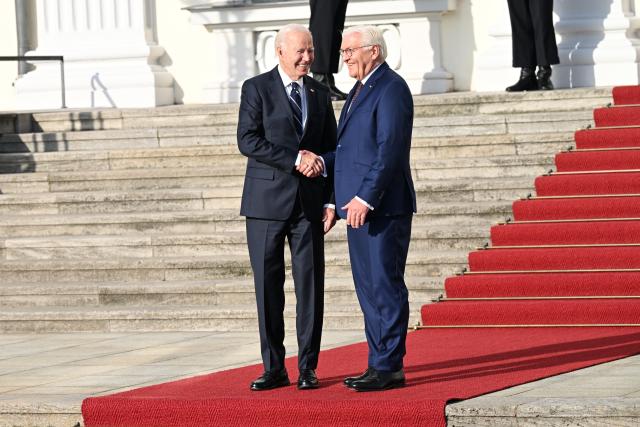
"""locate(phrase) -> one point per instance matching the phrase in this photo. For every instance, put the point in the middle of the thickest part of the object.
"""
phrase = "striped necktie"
(296, 105)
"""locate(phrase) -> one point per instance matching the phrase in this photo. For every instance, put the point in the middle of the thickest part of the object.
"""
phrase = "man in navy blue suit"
(374, 193)
(286, 119)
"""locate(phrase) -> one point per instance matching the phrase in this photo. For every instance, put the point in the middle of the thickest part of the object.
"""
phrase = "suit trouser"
(266, 240)
(326, 25)
(378, 252)
(533, 37)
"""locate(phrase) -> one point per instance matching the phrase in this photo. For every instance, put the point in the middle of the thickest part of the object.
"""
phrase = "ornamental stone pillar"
(110, 52)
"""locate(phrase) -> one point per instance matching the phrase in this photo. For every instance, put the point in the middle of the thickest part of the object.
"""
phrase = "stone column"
(111, 56)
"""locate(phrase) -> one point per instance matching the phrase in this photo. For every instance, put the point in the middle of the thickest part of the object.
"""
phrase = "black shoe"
(349, 380)
(380, 380)
(271, 379)
(544, 78)
(527, 81)
(328, 81)
(307, 379)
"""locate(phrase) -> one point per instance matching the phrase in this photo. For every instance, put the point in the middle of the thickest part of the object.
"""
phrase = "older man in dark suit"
(286, 119)
(374, 193)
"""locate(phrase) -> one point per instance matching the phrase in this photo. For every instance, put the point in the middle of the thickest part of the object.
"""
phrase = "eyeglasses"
(349, 51)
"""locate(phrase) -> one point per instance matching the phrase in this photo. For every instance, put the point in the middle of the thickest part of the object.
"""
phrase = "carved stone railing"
(243, 32)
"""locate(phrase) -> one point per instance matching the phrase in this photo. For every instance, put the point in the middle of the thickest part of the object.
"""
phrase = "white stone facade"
(125, 53)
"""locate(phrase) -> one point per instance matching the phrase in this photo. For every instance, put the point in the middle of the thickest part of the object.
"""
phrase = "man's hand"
(328, 219)
(356, 213)
(310, 165)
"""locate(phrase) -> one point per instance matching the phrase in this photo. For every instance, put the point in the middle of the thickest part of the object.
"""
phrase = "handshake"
(311, 165)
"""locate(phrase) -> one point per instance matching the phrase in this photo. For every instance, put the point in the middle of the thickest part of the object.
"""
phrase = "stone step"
(56, 143)
(459, 236)
(432, 264)
(227, 161)
(47, 155)
(496, 125)
(218, 220)
(162, 318)
(99, 202)
(103, 202)
(467, 103)
(222, 292)
(458, 103)
(216, 180)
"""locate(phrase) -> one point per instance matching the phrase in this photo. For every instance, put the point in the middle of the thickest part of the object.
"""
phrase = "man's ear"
(375, 51)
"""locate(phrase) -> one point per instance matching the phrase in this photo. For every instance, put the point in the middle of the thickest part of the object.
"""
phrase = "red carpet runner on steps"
(558, 290)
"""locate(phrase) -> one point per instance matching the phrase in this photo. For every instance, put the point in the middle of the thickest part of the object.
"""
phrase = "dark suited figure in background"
(534, 43)
(326, 25)
(285, 118)
(374, 193)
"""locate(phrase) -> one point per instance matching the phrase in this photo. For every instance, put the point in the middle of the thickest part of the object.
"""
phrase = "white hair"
(289, 28)
(369, 36)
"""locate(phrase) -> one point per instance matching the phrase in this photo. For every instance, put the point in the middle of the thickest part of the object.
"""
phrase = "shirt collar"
(364, 80)
(286, 80)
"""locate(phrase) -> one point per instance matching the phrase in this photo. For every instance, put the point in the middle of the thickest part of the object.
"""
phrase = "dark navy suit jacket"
(371, 160)
(267, 136)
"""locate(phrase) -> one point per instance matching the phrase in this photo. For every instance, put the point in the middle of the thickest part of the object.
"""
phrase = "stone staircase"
(127, 220)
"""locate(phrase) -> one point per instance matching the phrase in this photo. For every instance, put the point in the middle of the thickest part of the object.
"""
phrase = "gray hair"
(289, 28)
(370, 36)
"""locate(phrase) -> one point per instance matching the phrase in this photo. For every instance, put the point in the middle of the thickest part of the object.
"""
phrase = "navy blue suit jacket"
(371, 160)
(267, 136)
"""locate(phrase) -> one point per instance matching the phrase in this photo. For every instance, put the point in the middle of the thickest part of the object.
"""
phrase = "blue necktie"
(296, 105)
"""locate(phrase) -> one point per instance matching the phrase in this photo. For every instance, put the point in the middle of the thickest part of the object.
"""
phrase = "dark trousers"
(266, 239)
(326, 25)
(533, 35)
(378, 253)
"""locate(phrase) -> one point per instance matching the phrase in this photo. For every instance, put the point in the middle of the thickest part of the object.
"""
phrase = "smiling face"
(363, 59)
(295, 54)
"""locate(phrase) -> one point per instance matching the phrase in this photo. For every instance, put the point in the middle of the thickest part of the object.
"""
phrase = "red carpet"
(547, 297)
(562, 284)
(566, 233)
(534, 312)
(598, 160)
(588, 183)
(440, 365)
(617, 116)
(577, 208)
(607, 138)
(624, 95)
(574, 258)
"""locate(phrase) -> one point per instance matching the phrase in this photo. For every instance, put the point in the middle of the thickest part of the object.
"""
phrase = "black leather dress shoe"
(307, 380)
(271, 379)
(380, 380)
(349, 380)
(527, 81)
(544, 77)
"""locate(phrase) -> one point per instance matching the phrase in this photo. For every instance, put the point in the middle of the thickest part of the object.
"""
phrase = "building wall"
(8, 47)
(190, 55)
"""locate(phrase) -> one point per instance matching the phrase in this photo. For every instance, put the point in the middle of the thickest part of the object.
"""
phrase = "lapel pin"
(312, 90)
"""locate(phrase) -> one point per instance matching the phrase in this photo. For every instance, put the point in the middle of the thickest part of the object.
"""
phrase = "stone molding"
(243, 39)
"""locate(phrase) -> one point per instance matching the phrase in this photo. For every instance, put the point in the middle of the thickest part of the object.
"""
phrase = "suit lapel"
(312, 100)
(368, 87)
(279, 94)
